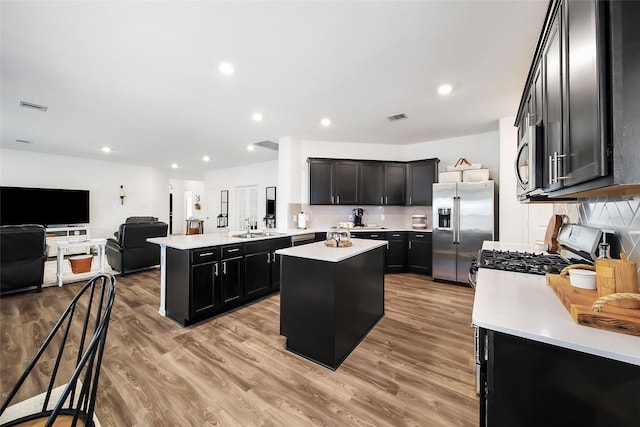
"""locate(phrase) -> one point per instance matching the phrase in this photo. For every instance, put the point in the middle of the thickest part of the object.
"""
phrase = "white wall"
(260, 174)
(146, 188)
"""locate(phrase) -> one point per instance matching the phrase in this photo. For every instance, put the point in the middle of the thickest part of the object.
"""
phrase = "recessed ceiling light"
(174, 166)
(226, 68)
(205, 158)
(444, 89)
(106, 149)
(325, 122)
(257, 117)
(250, 147)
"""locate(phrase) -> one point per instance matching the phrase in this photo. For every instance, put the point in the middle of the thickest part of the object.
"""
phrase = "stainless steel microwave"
(529, 160)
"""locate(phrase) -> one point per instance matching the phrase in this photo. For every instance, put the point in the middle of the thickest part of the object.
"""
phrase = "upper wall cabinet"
(420, 178)
(334, 182)
(370, 182)
(589, 100)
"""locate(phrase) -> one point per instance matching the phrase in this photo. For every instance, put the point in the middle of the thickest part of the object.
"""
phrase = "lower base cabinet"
(420, 252)
(527, 383)
(204, 282)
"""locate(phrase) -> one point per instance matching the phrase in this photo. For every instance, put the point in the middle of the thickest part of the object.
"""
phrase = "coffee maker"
(357, 217)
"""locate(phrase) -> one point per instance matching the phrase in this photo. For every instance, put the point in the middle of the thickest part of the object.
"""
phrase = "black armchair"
(23, 252)
(130, 251)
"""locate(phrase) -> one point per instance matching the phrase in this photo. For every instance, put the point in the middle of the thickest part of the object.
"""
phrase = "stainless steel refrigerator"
(463, 218)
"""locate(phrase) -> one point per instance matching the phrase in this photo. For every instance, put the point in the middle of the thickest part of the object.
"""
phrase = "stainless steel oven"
(529, 161)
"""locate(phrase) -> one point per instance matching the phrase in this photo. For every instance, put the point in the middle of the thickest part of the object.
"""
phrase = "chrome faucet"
(248, 225)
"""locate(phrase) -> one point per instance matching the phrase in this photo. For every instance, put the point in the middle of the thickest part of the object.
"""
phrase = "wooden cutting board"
(551, 236)
(579, 301)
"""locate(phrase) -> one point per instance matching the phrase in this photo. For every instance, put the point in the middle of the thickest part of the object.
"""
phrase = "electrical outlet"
(350, 217)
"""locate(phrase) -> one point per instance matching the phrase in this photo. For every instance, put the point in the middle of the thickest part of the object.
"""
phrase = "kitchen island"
(330, 298)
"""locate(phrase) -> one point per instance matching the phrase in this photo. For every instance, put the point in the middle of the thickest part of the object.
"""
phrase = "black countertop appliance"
(357, 217)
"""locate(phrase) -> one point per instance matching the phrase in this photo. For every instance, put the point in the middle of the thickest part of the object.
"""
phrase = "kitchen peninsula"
(330, 298)
(203, 275)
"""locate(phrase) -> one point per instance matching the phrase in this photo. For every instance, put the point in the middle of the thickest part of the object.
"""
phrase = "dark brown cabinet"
(262, 266)
(394, 183)
(587, 61)
(371, 182)
(396, 254)
(334, 182)
(419, 252)
(565, 387)
(420, 178)
(382, 183)
(232, 282)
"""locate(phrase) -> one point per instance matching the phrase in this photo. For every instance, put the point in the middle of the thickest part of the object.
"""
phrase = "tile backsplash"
(621, 215)
(325, 217)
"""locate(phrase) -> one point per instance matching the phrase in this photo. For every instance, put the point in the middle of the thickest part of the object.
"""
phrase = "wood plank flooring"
(415, 368)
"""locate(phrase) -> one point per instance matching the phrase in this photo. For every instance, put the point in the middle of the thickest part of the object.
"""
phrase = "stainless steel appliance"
(529, 161)
(463, 218)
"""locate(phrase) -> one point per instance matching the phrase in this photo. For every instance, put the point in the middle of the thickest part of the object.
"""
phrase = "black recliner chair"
(23, 252)
(130, 251)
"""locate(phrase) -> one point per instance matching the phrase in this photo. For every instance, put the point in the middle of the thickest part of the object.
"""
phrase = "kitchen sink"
(257, 234)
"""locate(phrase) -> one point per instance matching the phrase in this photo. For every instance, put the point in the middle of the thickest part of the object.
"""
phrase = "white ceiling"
(142, 76)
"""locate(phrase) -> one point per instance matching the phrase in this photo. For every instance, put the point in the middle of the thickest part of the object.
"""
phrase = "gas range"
(523, 262)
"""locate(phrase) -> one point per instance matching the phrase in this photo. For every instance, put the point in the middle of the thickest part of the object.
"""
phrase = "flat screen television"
(45, 206)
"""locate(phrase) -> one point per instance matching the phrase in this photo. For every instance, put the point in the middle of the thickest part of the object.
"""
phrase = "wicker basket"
(81, 263)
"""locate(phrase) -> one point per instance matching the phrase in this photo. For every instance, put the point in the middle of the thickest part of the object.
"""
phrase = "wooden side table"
(99, 243)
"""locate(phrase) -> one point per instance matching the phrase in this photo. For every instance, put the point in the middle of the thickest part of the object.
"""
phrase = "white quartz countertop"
(194, 241)
(318, 251)
(524, 305)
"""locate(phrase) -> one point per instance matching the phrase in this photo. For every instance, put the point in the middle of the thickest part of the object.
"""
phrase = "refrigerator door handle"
(458, 220)
(453, 220)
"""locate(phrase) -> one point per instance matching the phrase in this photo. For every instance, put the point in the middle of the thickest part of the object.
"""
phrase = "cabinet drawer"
(395, 235)
(418, 235)
(200, 256)
(232, 251)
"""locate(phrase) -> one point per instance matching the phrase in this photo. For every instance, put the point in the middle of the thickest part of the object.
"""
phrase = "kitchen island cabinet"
(330, 298)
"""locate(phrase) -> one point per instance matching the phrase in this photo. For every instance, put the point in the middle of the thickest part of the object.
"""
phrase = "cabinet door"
(421, 176)
(394, 183)
(257, 272)
(231, 283)
(552, 108)
(584, 146)
(320, 189)
(203, 285)
(372, 183)
(420, 253)
(346, 182)
(396, 256)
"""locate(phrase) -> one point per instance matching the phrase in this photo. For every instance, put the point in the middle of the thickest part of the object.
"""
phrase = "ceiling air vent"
(397, 117)
(26, 104)
(24, 141)
(270, 145)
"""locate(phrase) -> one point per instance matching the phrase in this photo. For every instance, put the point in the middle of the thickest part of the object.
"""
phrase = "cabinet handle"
(206, 254)
(215, 269)
(395, 235)
(374, 235)
(409, 199)
(332, 200)
(337, 200)
(551, 170)
(386, 200)
(224, 267)
(233, 250)
(273, 254)
(558, 156)
(419, 235)
(381, 200)
(409, 244)
(268, 258)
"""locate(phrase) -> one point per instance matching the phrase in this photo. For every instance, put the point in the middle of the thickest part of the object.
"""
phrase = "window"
(247, 197)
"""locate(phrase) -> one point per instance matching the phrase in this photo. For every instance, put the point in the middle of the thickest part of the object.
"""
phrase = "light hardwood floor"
(415, 368)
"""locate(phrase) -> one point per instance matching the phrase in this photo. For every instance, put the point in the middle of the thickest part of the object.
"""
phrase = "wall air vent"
(24, 141)
(270, 145)
(397, 117)
(26, 104)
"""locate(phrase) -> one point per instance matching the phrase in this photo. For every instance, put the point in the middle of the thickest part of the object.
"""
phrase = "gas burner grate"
(523, 262)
